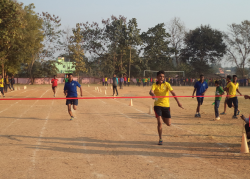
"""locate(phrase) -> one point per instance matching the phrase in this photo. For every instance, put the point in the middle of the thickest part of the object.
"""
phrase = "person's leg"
(216, 107)
(69, 110)
(199, 100)
(114, 90)
(159, 127)
(167, 121)
(225, 105)
(235, 102)
(74, 107)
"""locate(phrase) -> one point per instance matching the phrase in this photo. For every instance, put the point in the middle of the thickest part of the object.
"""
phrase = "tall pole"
(129, 63)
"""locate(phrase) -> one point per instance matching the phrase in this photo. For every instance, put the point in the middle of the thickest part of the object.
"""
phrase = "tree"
(155, 47)
(133, 39)
(176, 29)
(238, 45)
(11, 21)
(33, 38)
(77, 52)
(203, 45)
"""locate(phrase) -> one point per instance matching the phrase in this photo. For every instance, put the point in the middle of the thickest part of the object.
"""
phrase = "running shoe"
(160, 142)
(196, 115)
(223, 113)
(238, 112)
(199, 115)
(217, 118)
(235, 117)
(3, 96)
(71, 118)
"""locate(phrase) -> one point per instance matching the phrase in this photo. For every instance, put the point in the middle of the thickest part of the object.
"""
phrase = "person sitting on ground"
(247, 127)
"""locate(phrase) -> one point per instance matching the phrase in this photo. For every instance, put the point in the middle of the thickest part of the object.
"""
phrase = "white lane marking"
(21, 114)
(95, 96)
(33, 158)
(191, 133)
(11, 104)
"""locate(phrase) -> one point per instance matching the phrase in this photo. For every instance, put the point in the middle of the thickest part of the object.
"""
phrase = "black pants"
(115, 90)
(106, 83)
(128, 83)
(12, 87)
(234, 101)
(216, 107)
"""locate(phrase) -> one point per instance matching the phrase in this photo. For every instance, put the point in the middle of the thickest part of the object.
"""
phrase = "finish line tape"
(127, 97)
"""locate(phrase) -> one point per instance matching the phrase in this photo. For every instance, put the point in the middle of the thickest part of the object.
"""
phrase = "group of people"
(162, 106)
(6, 83)
(122, 81)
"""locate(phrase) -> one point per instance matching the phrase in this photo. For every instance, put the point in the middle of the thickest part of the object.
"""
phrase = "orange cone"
(131, 103)
(244, 147)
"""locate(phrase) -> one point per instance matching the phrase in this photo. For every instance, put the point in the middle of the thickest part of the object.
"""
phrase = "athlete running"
(70, 91)
(161, 105)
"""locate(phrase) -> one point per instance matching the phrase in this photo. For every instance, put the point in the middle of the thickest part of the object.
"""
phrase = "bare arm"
(239, 92)
(81, 90)
(151, 92)
(176, 99)
(193, 92)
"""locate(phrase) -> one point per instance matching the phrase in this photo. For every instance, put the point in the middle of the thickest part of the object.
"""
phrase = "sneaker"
(223, 113)
(160, 142)
(238, 112)
(199, 115)
(196, 115)
(71, 118)
(235, 117)
(3, 96)
(217, 118)
(54, 95)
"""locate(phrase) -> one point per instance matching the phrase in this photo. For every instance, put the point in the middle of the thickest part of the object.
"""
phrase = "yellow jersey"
(162, 90)
(128, 80)
(232, 89)
(106, 79)
(1, 83)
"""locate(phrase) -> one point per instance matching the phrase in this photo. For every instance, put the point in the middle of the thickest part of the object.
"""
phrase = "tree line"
(30, 41)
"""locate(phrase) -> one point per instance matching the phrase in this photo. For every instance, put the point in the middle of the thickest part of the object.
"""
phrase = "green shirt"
(66, 80)
(143, 80)
(219, 91)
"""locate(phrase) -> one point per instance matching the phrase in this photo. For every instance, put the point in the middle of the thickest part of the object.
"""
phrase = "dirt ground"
(110, 139)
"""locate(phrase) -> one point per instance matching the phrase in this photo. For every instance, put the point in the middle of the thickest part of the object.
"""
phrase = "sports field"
(110, 139)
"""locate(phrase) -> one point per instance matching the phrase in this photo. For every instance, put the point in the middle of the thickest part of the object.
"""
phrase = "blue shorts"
(200, 100)
(72, 101)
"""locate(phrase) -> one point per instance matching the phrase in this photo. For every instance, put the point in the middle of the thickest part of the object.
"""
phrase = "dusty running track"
(109, 139)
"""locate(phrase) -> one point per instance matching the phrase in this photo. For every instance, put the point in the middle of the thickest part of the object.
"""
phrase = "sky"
(217, 13)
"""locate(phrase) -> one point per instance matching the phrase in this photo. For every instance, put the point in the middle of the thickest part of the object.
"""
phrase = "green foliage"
(155, 48)
(12, 20)
(77, 51)
(204, 45)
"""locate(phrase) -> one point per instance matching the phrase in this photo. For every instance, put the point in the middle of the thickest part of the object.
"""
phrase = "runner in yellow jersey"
(161, 105)
(106, 81)
(2, 85)
(128, 81)
(232, 88)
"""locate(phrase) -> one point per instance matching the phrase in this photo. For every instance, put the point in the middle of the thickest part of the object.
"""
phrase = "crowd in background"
(7, 83)
(125, 81)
